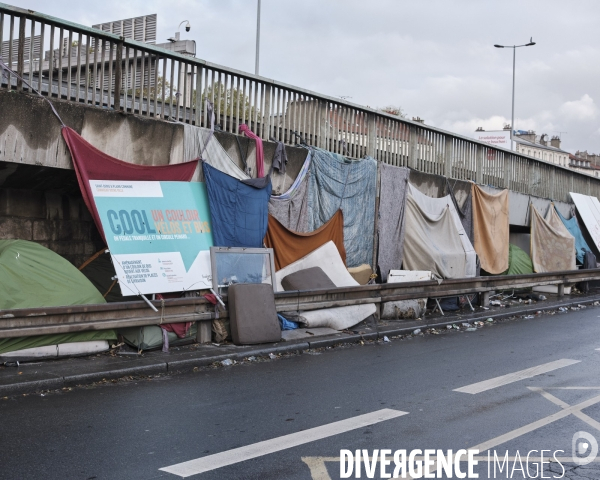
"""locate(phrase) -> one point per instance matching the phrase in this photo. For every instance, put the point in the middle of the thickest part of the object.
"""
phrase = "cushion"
(307, 279)
(252, 314)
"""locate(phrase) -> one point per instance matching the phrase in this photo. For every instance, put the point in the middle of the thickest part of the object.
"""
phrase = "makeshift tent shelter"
(432, 242)
(33, 276)
(291, 208)
(434, 208)
(151, 336)
(390, 227)
(92, 164)
(519, 263)
(572, 225)
(588, 208)
(289, 246)
(491, 229)
(552, 246)
(328, 259)
(338, 182)
(199, 142)
(239, 212)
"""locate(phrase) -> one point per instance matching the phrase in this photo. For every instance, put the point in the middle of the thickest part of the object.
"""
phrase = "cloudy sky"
(433, 58)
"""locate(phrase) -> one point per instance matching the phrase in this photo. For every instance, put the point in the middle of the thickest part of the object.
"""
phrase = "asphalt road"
(406, 389)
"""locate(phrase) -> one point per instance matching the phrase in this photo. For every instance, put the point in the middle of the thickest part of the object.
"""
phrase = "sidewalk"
(108, 367)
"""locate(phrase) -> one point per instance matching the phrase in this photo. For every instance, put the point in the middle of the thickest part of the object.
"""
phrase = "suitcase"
(252, 315)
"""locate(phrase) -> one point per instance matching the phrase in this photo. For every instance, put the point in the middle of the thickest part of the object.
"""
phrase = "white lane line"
(236, 455)
(515, 377)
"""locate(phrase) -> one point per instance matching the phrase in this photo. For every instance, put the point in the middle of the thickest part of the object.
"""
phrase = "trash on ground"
(417, 331)
(227, 362)
(386, 339)
(272, 356)
(471, 329)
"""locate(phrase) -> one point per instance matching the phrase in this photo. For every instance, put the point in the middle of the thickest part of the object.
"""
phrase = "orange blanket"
(290, 246)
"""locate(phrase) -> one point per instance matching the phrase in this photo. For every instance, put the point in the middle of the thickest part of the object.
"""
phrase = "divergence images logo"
(585, 448)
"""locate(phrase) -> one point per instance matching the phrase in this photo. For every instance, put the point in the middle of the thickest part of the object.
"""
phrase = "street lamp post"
(512, 118)
(257, 37)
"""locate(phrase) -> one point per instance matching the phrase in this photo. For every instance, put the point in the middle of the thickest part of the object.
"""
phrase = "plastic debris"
(417, 331)
(529, 316)
(449, 327)
(539, 312)
(272, 356)
(227, 362)
(466, 325)
(486, 308)
(251, 359)
(490, 320)
(581, 306)
(543, 297)
(471, 329)
(496, 303)
(456, 327)
(386, 339)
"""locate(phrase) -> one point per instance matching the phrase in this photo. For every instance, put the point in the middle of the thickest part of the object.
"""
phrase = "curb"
(203, 360)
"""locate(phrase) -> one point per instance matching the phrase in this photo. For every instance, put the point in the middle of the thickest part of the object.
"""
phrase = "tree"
(228, 100)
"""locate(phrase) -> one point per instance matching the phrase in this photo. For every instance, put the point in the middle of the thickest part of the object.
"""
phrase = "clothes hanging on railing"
(260, 158)
(238, 211)
(335, 182)
(289, 246)
(280, 158)
(197, 140)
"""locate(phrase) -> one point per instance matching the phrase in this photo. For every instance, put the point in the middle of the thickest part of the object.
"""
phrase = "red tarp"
(92, 164)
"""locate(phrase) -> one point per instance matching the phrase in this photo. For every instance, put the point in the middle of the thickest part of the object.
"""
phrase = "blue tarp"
(338, 182)
(581, 245)
(239, 212)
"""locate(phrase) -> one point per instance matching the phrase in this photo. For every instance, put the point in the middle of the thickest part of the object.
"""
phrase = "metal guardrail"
(40, 321)
(89, 66)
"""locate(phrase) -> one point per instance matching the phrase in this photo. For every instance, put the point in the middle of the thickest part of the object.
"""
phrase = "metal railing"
(80, 64)
(51, 320)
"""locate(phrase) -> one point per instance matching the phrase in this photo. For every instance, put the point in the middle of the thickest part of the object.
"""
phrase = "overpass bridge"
(139, 103)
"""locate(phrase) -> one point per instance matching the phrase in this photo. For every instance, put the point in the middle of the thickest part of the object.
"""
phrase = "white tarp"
(589, 210)
(194, 140)
(328, 259)
(434, 207)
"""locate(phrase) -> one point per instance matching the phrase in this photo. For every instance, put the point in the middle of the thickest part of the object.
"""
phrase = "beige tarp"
(491, 229)
(552, 246)
(434, 207)
(432, 242)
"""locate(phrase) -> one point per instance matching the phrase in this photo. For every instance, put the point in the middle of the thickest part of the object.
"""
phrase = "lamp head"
(531, 42)
(499, 46)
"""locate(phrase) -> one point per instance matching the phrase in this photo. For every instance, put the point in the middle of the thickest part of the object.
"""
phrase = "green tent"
(32, 276)
(519, 262)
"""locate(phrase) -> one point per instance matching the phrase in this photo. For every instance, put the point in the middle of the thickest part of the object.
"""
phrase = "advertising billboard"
(158, 233)
(499, 138)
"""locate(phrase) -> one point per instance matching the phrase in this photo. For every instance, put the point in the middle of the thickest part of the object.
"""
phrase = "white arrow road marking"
(516, 376)
(236, 455)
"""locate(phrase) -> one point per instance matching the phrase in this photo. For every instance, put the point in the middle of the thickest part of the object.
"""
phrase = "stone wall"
(56, 220)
